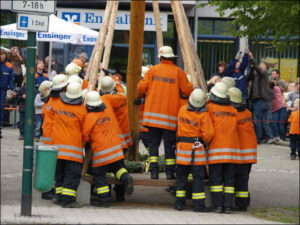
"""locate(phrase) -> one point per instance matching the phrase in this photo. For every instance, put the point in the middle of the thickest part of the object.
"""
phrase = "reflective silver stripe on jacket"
(160, 123)
(70, 147)
(108, 158)
(218, 150)
(162, 116)
(221, 157)
(43, 138)
(124, 135)
(179, 158)
(69, 154)
(248, 151)
(105, 151)
(189, 152)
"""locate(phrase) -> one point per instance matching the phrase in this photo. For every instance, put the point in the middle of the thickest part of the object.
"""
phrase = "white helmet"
(93, 99)
(74, 90)
(72, 69)
(235, 95)
(197, 98)
(189, 77)
(75, 78)
(107, 84)
(228, 81)
(219, 90)
(59, 81)
(44, 88)
(166, 52)
(144, 70)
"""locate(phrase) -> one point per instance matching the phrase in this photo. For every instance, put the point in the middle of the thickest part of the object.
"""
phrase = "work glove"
(238, 55)
(138, 101)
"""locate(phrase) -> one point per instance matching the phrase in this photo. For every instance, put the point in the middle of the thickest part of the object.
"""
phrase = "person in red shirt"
(294, 130)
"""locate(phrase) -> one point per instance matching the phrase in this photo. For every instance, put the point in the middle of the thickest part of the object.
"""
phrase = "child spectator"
(38, 105)
(40, 76)
(294, 95)
(279, 113)
(294, 130)
(21, 96)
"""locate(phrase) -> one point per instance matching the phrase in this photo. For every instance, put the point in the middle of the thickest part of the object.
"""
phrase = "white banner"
(94, 18)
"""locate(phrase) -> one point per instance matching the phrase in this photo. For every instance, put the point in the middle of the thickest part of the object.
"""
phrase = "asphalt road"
(274, 181)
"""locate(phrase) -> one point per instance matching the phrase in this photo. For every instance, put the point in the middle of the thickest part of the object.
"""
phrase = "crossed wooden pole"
(191, 60)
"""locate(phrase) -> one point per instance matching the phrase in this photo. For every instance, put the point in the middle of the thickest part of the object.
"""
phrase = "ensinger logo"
(71, 17)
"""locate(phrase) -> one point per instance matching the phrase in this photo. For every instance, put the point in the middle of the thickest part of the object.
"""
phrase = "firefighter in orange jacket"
(67, 136)
(195, 129)
(223, 150)
(118, 102)
(162, 86)
(248, 148)
(59, 84)
(106, 146)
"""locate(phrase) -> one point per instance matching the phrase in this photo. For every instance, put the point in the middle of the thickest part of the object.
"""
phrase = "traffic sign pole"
(29, 121)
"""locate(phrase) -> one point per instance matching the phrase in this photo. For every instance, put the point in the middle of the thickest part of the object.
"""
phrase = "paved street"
(274, 183)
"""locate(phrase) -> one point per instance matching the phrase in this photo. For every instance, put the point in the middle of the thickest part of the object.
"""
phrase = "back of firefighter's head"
(93, 99)
(197, 98)
(235, 95)
(75, 78)
(72, 69)
(219, 90)
(108, 85)
(74, 90)
(166, 52)
(228, 81)
(45, 89)
(59, 82)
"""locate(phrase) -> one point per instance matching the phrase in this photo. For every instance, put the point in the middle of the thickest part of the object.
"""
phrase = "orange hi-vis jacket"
(106, 145)
(142, 128)
(224, 147)
(118, 101)
(294, 122)
(106, 99)
(67, 131)
(183, 101)
(162, 86)
(193, 125)
(85, 84)
(247, 137)
(117, 80)
(48, 113)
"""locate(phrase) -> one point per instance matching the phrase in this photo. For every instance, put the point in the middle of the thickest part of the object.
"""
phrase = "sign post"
(32, 16)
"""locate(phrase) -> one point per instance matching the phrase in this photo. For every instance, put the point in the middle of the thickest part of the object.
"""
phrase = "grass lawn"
(284, 215)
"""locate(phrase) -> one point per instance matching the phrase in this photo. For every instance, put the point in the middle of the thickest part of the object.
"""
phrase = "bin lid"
(43, 147)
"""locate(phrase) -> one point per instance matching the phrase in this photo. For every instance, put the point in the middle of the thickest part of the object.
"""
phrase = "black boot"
(180, 204)
(218, 209)
(120, 192)
(154, 170)
(128, 183)
(72, 204)
(49, 195)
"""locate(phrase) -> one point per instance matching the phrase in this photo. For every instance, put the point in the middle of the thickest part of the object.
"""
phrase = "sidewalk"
(121, 215)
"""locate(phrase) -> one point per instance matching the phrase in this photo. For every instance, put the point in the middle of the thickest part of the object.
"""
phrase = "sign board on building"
(33, 22)
(94, 18)
(41, 6)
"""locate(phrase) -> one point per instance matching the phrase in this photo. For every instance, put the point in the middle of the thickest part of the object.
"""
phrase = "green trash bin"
(45, 166)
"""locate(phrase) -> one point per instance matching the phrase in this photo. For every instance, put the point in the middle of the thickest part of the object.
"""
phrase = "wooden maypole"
(134, 70)
(159, 35)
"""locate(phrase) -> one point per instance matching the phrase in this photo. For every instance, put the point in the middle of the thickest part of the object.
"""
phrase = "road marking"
(276, 171)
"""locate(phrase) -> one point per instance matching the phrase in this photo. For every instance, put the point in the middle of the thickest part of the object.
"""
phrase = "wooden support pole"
(134, 69)
(95, 58)
(109, 40)
(159, 35)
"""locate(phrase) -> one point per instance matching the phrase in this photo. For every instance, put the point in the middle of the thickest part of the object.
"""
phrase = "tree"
(274, 20)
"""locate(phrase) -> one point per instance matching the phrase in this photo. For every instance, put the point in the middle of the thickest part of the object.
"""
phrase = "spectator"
(53, 72)
(21, 97)
(293, 95)
(215, 79)
(40, 76)
(38, 105)
(294, 131)
(83, 57)
(84, 70)
(6, 83)
(236, 70)
(17, 61)
(220, 69)
(260, 95)
(276, 77)
(279, 113)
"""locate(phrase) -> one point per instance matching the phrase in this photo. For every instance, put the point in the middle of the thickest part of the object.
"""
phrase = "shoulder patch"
(9, 65)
